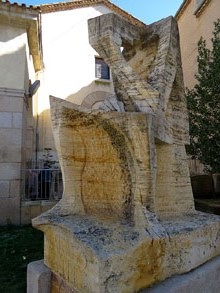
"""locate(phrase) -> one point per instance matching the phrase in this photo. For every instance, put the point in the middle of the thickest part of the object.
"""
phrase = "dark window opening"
(101, 69)
(199, 3)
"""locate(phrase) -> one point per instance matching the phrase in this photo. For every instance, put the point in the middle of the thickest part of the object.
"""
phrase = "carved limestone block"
(127, 218)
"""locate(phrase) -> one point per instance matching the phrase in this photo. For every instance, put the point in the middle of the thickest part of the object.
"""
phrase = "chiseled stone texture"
(127, 219)
(105, 235)
(147, 74)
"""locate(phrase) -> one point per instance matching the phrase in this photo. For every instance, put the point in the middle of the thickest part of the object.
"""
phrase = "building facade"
(72, 69)
(195, 20)
(20, 59)
(44, 51)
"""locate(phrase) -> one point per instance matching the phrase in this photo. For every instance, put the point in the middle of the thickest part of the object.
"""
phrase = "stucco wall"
(69, 63)
(68, 57)
(12, 56)
(191, 29)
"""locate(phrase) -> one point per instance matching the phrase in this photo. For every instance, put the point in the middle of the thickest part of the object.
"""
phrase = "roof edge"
(22, 6)
(182, 8)
(61, 6)
(27, 18)
(197, 12)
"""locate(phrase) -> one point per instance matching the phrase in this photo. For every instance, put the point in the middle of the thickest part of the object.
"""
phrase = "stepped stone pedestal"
(127, 219)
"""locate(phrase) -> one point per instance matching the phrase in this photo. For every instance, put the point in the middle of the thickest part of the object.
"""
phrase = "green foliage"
(18, 247)
(204, 105)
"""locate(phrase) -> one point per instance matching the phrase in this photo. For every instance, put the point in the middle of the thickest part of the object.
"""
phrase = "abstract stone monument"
(127, 218)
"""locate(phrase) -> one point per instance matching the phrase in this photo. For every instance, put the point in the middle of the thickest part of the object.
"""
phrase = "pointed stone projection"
(127, 219)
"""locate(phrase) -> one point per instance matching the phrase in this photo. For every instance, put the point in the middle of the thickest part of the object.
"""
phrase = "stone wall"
(11, 149)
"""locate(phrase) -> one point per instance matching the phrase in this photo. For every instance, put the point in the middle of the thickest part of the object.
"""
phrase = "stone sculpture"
(127, 218)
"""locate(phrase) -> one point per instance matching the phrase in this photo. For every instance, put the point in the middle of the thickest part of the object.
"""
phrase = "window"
(101, 69)
(199, 3)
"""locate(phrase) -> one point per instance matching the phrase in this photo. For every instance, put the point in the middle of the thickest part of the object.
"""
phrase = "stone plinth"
(92, 256)
(38, 278)
(203, 279)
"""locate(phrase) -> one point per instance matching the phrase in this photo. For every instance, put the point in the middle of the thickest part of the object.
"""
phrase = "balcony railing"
(43, 184)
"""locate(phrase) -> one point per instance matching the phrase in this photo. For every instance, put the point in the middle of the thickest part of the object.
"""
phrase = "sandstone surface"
(127, 218)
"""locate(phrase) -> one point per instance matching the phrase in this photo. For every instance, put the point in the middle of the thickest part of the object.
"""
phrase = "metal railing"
(43, 184)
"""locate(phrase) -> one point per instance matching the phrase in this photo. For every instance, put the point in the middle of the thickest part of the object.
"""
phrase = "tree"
(204, 105)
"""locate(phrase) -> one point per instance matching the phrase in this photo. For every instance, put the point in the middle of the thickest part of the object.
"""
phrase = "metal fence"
(43, 184)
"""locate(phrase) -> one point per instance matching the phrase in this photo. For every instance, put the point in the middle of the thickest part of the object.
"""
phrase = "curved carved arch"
(93, 98)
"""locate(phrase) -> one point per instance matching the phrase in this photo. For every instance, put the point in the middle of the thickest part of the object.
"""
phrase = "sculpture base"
(93, 256)
(203, 279)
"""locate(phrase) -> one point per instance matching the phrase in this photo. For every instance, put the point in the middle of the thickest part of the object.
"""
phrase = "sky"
(147, 11)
